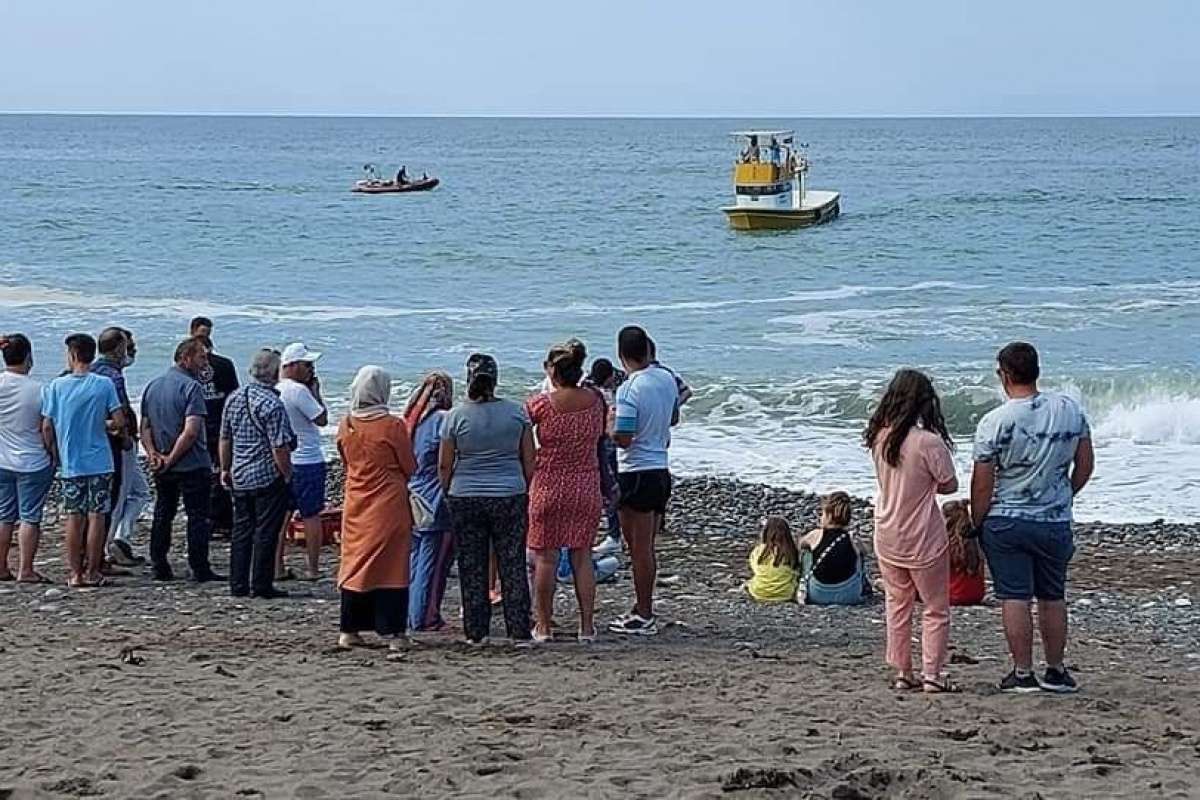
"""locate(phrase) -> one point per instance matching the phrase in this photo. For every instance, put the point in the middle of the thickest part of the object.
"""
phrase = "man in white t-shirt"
(26, 469)
(300, 391)
(646, 404)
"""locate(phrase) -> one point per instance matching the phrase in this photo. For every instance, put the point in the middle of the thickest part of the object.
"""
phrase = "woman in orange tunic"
(376, 517)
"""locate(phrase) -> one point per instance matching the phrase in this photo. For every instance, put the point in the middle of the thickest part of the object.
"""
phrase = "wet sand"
(179, 691)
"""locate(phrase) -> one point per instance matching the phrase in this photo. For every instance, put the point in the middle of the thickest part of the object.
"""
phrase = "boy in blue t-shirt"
(80, 410)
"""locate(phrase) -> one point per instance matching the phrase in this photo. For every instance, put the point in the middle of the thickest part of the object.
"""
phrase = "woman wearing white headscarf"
(376, 517)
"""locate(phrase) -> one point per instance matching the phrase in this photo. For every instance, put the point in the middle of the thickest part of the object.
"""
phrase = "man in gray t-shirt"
(173, 435)
(1032, 456)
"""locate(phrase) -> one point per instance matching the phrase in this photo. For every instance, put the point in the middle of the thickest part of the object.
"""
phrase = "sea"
(956, 236)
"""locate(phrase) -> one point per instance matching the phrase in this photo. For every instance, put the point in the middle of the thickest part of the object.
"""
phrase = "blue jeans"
(429, 566)
(1028, 559)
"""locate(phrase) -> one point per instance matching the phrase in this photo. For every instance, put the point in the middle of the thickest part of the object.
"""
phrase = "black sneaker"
(163, 572)
(209, 577)
(1020, 684)
(122, 555)
(269, 594)
(1059, 681)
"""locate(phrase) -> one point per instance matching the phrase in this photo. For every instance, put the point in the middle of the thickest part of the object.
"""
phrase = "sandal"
(38, 578)
(7, 578)
(288, 574)
(903, 684)
(84, 583)
(587, 638)
(942, 686)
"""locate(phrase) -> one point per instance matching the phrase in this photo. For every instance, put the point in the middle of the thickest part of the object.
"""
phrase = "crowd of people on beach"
(512, 492)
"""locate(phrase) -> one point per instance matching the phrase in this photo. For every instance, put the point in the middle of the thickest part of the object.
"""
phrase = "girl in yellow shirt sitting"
(774, 564)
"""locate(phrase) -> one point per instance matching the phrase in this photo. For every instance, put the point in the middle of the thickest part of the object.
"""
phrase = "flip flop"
(288, 574)
(930, 686)
(38, 578)
(902, 684)
(7, 578)
(86, 584)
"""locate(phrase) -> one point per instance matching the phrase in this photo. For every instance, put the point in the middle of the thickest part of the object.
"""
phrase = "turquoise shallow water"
(956, 236)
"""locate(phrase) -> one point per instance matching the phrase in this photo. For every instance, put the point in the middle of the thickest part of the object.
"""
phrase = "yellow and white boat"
(769, 184)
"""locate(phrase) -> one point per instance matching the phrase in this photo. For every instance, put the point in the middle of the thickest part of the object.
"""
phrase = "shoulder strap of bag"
(824, 553)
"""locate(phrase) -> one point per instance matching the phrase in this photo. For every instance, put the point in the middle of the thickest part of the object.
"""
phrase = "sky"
(616, 57)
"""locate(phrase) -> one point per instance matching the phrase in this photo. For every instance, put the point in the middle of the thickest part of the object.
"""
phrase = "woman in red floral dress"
(565, 502)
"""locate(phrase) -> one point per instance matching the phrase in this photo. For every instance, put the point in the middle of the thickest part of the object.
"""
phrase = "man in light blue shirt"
(645, 406)
(1032, 456)
(79, 411)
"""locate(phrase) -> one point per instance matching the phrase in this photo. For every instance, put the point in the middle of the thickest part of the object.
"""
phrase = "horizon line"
(614, 116)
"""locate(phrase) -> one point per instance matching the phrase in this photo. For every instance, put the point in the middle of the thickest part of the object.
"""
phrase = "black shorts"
(645, 491)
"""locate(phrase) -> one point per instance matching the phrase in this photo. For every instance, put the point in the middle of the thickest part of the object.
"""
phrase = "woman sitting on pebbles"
(376, 518)
(774, 564)
(832, 569)
(910, 446)
(966, 560)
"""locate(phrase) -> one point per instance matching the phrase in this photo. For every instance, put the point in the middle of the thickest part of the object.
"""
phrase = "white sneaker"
(608, 547)
(635, 625)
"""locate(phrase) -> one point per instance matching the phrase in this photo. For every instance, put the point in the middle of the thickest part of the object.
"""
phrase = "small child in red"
(966, 561)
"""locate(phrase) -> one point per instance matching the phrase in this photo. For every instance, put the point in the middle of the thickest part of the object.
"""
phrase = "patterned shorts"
(87, 494)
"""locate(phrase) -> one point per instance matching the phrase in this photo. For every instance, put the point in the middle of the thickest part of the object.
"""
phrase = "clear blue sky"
(643, 57)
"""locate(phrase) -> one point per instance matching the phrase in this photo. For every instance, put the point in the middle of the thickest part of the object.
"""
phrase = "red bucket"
(331, 527)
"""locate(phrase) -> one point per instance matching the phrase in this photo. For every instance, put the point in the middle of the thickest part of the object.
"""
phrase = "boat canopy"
(766, 134)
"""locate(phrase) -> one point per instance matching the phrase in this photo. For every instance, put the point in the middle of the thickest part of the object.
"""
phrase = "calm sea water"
(955, 237)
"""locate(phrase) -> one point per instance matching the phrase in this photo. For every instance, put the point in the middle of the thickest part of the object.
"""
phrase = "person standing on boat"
(641, 429)
(300, 391)
(750, 154)
(402, 176)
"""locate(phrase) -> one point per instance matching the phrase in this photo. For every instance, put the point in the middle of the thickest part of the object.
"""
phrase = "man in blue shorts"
(1032, 456)
(300, 391)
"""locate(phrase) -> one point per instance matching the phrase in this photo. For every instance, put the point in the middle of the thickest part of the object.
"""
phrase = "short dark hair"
(82, 346)
(633, 344)
(110, 340)
(188, 347)
(16, 348)
(1019, 361)
(602, 370)
(198, 322)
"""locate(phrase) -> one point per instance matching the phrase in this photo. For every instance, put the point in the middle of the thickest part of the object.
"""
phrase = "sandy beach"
(179, 691)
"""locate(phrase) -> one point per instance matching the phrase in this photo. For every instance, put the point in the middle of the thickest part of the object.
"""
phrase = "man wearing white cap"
(300, 391)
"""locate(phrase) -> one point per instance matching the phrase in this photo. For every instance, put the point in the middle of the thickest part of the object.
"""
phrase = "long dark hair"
(778, 545)
(910, 400)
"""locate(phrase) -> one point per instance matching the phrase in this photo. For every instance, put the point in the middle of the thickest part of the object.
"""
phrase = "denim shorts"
(1028, 559)
(88, 494)
(308, 489)
(23, 495)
